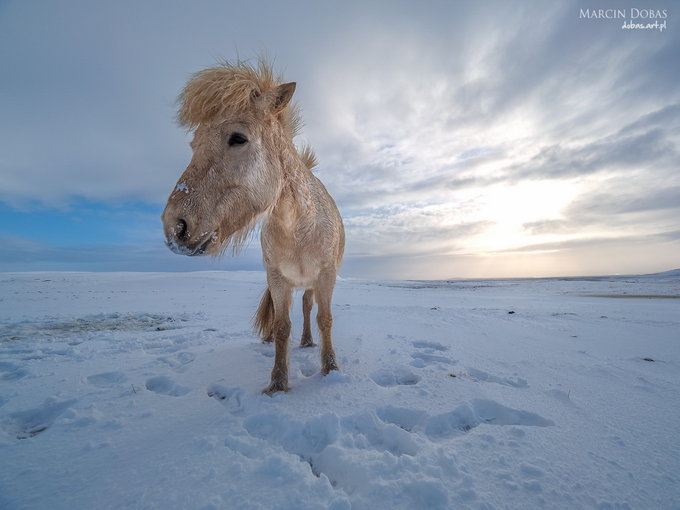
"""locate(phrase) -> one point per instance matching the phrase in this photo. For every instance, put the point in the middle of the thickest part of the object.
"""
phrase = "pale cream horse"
(245, 166)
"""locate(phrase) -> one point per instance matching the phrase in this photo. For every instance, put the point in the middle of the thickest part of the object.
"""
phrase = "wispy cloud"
(451, 134)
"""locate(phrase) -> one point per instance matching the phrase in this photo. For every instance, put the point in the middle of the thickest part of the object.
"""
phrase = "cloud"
(617, 212)
(442, 130)
(611, 153)
(563, 101)
(648, 141)
(408, 230)
(598, 205)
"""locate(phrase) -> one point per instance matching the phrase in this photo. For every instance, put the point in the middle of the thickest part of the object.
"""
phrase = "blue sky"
(460, 139)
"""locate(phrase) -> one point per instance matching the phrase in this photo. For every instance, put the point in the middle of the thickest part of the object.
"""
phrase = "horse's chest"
(294, 262)
(287, 247)
(299, 274)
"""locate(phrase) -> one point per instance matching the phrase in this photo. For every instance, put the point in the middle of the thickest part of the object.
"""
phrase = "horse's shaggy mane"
(308, 157)
(231, 88)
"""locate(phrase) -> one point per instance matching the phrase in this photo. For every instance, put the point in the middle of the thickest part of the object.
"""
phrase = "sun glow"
(511, 209)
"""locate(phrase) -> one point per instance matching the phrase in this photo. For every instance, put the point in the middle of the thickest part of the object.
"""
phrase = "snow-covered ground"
(142, 390)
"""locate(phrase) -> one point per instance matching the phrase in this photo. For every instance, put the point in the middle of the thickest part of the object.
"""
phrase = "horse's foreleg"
(324, 318)
(307, 303)
(282, 297)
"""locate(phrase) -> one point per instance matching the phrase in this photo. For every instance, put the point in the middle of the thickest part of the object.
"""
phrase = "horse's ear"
(276, 99)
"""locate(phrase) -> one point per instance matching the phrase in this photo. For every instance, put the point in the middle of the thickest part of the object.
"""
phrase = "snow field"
(142, 390)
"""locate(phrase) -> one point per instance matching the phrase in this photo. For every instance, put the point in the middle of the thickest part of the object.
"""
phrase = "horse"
(246, 170)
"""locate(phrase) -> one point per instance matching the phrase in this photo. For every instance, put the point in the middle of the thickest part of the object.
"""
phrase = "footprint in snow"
(480, 411)
(429, 353)
(309, 367)
(11, 372)
(106, 379)
(463, 418)
(30, 423)
(398, 376)
(335, 445)
(434, 346)
(559, 395)
(423, 359)
(166, 386)
(179, 361)
(310, 438)
(481, 376)
(231, 398)
(403, 417)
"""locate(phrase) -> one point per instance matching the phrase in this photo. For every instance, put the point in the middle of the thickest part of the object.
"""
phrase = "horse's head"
(243, 127)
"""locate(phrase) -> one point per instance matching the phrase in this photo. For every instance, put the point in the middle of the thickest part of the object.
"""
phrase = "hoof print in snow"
(398, 376)
(481, 376)
(30, 423)
(429, 354)
(231, 398)
(403, 417)
(11, 372)
(309, 368)
(179, 361)
(423, 359)
(166, 386)
(432, 346)
(562, 396)
(466, 416)
(106, 379)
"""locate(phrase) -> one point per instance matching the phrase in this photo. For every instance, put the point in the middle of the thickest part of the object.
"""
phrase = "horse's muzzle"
(178, 239)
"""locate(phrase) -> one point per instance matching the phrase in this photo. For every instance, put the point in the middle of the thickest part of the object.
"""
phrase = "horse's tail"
(263, 321)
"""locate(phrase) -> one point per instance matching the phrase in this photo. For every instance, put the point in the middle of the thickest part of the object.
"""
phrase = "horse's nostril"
(181, 229)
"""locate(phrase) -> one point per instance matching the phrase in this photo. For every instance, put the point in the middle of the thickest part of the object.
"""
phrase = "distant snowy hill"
(143, 390)
(672, 273)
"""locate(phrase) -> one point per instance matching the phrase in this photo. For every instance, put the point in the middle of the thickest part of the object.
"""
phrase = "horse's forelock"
(229, 89)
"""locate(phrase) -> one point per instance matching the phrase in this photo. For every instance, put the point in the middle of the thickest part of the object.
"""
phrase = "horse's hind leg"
(307, 303)
(324, 318)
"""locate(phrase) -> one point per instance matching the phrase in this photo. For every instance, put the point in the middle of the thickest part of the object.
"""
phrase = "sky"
(460, 139)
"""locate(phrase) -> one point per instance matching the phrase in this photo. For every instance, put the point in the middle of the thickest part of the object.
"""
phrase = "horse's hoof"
(275, 387)
(307, 342)
(328, 363)
(329, 367)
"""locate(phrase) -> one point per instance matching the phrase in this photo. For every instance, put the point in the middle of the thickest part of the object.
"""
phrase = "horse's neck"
(295, 200)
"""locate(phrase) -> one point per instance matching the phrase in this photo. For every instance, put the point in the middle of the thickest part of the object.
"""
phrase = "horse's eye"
(237, 139)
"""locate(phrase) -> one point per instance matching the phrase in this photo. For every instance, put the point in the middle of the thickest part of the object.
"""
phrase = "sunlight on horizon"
(512, 208)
